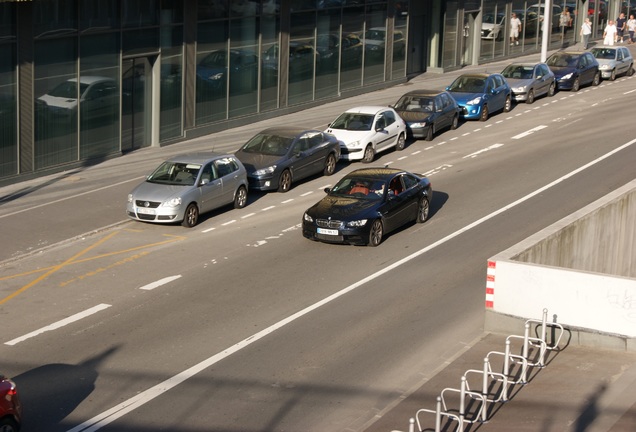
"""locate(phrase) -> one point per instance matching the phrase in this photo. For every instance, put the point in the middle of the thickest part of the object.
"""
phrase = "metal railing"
(495, 386)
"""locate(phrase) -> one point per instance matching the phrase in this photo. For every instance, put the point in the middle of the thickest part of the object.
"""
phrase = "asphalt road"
(241, 324)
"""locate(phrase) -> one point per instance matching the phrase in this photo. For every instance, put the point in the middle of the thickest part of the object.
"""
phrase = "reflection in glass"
(8, 111)
(54, 18)
(375, 38)
(399, 41)
(96, 15)
(328, 45)
(211, 9)
(302, 58)
(212, 64)
(269, 75)
(140, 13)
(99, 96)
(171, 122)
(243, 62)
(55, 115)
(352, 27)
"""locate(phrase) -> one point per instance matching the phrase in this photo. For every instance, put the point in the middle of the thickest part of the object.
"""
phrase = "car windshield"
(375, 35)
(518, 72)
(604, 53)
(490, 18)
(175, 173)
(415, 103)
(268, 144)
(215, 59)
(359, 187)
(468, 84)
(68, 90)
(353, 122)
(562, 60)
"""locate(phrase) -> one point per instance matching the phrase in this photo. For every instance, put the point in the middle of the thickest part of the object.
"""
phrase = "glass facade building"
(86, 80)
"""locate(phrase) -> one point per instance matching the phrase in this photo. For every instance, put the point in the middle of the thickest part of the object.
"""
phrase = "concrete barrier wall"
(582, 269)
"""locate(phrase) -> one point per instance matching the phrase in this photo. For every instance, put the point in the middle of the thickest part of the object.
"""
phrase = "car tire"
(191, 216)
(530, 98)
(330, 165)
(376, 233)
(423, 210)
(576, 85)
(240, 197)
(507, 104)
(455, 123)
(484, 113)
(401, 142)
(369, 154)
(8, 425)
(597, 79)
(613, 75)
(285, 181)
(552, 90)
(429, 134)
(630, 71)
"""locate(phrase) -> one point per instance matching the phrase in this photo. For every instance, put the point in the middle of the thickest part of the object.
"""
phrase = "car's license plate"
(327, 231)
(147, 211)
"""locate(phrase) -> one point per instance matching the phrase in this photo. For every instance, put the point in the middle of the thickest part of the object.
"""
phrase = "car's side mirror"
(327, 190)
(205, 181)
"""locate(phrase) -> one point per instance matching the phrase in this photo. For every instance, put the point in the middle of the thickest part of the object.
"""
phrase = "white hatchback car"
(367, 130)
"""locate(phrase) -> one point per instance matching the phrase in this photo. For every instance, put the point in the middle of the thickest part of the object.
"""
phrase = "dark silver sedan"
(529, 81)
(427, 112)
(185, 186)
(276, 157)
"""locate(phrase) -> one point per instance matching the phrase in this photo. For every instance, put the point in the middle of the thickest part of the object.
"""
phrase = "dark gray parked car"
(427, 112)
(276, 157)
(185, 186)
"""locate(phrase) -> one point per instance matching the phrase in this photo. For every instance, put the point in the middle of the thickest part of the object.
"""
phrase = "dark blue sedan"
(366, 204)
(574, 69)
(480, 94)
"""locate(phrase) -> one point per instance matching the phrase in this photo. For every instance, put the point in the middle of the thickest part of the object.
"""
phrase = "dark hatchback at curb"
(427, 112)
(276, 157)
(574, 69)
(367, 204)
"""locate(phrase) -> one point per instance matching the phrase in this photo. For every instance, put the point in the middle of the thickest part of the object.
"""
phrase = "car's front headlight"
(263, 171)
(521, 89)
(174, 202)
(474, 101)
(353, 144)
(130, 198)
(357, 223)
(308, 218)
(216, 76)
(605, 67)
(566, 77)
(418, 125)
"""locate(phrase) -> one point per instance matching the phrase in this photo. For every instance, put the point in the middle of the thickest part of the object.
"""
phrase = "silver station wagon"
(182, 188)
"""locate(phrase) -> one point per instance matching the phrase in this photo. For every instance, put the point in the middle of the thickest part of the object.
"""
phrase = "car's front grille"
(328, 223)
(146, 217)
(329, 238)
(147, 204)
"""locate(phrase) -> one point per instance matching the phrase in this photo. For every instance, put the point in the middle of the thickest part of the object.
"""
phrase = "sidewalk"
(581, 389)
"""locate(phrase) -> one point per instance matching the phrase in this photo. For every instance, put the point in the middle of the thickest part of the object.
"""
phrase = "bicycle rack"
(489, 376)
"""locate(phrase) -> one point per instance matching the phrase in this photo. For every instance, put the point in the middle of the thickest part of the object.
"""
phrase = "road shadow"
(51, 392)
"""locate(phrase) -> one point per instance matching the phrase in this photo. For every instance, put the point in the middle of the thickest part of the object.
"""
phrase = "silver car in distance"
(184, 187)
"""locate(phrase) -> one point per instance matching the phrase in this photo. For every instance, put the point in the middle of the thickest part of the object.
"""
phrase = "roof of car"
(287, 131)
(198, 158)
(479, 74)
(90, 79)
(424, 92)
(375, 172)
(367, 109)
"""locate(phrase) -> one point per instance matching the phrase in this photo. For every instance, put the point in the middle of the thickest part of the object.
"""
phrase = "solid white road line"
(146, 396)
(160, 282)
(59, 324)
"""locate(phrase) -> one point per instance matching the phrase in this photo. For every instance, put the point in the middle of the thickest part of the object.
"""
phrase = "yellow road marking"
(74, 260)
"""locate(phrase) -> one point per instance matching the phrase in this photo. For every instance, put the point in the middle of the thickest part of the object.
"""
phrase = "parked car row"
(367, 203)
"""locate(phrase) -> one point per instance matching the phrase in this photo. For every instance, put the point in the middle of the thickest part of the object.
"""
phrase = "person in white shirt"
(586, 31)
(609, 34)
(631, 28)
(515, 29)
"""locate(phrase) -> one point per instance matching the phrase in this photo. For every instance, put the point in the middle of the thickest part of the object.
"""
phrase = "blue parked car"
(480, 94)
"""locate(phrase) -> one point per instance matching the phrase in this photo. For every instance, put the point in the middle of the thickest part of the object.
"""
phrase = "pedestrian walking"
(515, 29)
(565, 20)
(631, 28)
(586, 31)
(609, 34)
(620, 27)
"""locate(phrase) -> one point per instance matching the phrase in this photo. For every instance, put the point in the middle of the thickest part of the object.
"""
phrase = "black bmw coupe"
(367, 204)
